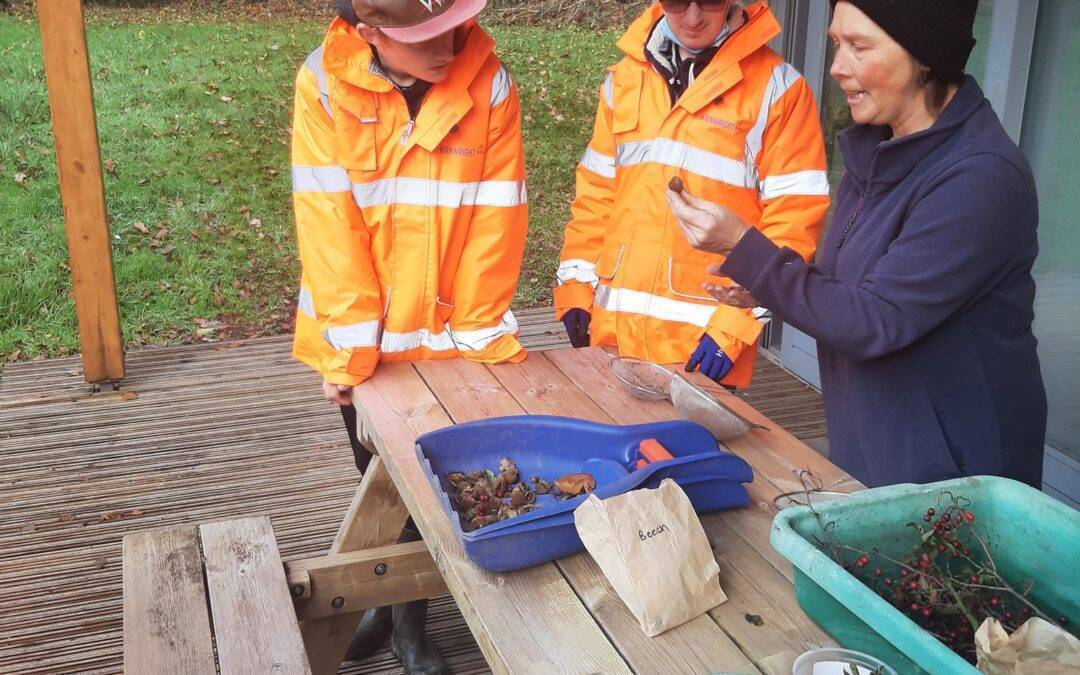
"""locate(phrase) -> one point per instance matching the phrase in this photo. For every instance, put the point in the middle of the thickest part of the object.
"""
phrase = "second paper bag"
(651, 547)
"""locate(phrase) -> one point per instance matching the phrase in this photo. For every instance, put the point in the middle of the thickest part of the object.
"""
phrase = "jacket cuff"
(735, 323)
(748, 258)
(573, 295)
(350, 367)
(732, 346)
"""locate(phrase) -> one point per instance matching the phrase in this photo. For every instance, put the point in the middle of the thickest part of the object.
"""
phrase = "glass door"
(1050, 138)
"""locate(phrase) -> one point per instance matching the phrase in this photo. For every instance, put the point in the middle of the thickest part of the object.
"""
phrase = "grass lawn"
(194, 126)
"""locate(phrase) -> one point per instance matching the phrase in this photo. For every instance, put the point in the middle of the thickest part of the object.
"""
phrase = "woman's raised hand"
(707, 226)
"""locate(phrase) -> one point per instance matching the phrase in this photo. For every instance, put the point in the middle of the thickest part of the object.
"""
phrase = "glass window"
(1051, 140)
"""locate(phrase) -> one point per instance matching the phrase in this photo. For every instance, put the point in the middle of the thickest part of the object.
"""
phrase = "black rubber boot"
(410, 642)
(371, 634)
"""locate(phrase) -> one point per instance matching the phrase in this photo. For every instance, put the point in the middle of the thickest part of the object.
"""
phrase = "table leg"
(374, 518)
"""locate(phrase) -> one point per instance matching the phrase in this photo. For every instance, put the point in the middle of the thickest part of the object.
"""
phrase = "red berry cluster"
(940, 584)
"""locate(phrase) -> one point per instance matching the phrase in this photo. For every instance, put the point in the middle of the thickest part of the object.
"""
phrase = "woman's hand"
(708, 227)
(734, 295)
(337, 393)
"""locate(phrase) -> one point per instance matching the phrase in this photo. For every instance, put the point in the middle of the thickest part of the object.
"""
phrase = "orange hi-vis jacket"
(411, 233)
(744, 134)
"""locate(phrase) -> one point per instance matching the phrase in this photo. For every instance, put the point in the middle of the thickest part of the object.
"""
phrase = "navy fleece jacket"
(921, 302)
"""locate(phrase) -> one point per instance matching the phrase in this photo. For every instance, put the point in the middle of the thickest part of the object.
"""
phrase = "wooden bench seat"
(194, 592)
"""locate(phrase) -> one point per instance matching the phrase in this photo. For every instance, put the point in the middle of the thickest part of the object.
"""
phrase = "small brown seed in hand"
(676, 185)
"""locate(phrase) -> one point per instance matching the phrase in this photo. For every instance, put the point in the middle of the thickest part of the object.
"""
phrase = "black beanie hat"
(937, 32)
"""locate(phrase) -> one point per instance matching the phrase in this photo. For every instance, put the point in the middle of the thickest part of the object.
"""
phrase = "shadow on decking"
(196, 433)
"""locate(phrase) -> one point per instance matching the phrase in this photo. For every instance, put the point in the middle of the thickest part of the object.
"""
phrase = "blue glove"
(577, 326)
(715, 364)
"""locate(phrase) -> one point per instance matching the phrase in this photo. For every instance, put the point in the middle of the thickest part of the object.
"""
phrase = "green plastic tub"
(1031, 536)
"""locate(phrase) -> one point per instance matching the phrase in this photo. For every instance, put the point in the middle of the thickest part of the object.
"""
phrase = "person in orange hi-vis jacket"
(697, 95)
(408, 188)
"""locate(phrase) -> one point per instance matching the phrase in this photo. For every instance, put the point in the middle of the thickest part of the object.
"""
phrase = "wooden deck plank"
(397, 406)
(536, 387)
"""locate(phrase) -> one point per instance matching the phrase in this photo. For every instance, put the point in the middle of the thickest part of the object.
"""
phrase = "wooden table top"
(564, 616)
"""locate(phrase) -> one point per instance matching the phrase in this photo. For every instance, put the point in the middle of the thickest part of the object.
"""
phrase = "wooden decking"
(196, 433)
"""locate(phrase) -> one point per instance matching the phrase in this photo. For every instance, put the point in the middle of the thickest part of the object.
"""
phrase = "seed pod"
(676, 185)
(508, 471)
(573, 484)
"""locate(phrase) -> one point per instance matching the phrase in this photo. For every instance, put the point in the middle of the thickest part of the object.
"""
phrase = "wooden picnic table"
(561, 616)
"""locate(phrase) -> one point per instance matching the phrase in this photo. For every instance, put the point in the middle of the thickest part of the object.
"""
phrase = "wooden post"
(78, 159)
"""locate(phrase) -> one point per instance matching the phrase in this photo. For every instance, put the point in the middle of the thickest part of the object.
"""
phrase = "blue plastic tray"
(550, 447)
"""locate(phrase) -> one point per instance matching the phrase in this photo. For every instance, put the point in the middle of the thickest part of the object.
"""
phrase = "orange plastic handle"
(651, 450)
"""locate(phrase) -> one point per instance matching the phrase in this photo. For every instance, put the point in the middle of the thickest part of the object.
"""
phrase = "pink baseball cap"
(417, 20)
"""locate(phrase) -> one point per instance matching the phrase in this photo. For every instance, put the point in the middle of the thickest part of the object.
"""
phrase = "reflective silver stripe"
(500, 86)
(656, 306)
(810, 183)
(609, 89)
(401, 342)
(684, 156)
(305, 303)
(423, 192)
(363, 334)
(320, 179)
(783, 76)
(314, 63)
(462, 340)
(480, 339)
(600, 164)
(577, 270)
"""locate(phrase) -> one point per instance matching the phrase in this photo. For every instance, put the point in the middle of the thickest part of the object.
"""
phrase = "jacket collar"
(870, 155)
(348, 61)
(723, 72)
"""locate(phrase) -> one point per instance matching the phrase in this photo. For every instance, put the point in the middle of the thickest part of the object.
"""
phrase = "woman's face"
(881, 78)
(696, 24)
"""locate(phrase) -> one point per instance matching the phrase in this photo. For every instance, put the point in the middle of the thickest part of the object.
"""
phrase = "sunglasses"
(680, 6)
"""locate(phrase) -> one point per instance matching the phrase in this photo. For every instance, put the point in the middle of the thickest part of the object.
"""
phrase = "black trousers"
(362, 457)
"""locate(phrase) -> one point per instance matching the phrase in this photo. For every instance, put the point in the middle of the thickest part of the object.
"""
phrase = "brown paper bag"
(651, 547)
(1036, 648)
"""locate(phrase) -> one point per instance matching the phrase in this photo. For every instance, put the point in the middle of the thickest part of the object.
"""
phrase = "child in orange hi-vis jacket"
(697, 95)
(409, 192)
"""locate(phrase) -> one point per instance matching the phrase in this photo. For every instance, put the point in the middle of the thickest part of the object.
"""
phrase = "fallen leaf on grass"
(167, 251)
(141, 227)
(110, 167)
(21, 178)
(226, 99)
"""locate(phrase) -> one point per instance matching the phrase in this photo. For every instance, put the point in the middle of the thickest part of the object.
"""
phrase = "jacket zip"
(852, 219)
(858, 204)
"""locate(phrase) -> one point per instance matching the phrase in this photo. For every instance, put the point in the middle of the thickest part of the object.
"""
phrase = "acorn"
(676, 185)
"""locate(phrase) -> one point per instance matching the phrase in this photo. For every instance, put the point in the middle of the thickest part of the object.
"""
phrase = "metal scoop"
(649, 381)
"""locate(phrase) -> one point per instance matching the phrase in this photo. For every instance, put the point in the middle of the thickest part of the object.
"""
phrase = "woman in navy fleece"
(922, 296)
